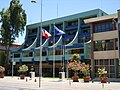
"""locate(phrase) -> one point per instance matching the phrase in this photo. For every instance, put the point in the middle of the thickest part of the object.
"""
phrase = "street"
(9, 83)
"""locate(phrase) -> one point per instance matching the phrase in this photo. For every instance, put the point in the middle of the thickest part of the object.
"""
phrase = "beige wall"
(105, 35)
(111, 54)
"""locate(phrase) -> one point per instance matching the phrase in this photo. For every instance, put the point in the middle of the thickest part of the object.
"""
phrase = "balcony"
(85, 26)
(32, 34)
(71, 27)
(82, 35)
(68, 37)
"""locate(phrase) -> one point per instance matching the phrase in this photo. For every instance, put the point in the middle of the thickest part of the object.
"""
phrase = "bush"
(23, 69)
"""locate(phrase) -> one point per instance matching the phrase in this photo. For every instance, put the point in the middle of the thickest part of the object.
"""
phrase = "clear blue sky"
(65, 8)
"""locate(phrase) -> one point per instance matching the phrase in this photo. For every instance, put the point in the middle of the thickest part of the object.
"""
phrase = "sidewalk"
(9, 83)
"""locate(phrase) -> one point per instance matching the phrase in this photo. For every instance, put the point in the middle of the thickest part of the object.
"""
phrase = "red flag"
(45, 34)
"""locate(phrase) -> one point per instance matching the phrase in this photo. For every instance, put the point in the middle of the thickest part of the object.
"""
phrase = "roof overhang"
(96, 19)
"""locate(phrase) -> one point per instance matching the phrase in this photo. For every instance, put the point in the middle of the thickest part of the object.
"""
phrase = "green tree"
(13, 21)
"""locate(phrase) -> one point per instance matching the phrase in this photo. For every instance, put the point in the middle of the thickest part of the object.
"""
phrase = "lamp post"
(12, 65)
(67, 71)
(40, 62)
(103, 45)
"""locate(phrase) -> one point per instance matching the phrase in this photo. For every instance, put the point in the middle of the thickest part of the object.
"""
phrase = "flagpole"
(54, 54)
(40, 64)
(63, 56)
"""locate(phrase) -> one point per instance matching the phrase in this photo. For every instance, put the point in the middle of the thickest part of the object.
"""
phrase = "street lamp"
(103, 45)
(40, 63)
(67, 71)
(13, 63)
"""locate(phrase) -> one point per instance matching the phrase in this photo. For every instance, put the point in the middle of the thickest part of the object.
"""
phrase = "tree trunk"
(7, 64)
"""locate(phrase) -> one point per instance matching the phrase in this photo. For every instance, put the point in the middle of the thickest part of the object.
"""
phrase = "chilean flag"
(45, 34)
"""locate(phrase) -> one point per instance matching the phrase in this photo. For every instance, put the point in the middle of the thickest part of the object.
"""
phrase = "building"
(74, 41)
(12, 48)
(105, 36)
(2, 51)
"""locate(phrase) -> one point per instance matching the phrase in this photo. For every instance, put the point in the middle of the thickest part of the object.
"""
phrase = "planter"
(75, 79)
(86, 79)
(104, 79)
(2, 75)
(22, 76)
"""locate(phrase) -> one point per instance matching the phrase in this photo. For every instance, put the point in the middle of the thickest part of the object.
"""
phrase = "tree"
(13, 22)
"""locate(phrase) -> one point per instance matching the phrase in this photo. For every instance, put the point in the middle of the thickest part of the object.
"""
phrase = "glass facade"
(105, 44)
(103, 26)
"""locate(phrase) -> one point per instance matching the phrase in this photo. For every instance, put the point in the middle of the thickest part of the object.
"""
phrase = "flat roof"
(96, 19)
(73, 17)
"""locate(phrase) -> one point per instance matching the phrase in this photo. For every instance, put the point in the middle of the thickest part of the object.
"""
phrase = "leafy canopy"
(13, 21)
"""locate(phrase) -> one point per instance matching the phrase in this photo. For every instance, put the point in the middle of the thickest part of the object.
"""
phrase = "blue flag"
(58, 31)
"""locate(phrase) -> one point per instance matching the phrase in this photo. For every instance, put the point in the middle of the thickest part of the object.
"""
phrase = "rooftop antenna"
(54, 48)
(100, 12)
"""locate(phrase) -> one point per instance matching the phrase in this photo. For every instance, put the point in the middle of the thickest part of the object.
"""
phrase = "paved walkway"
(9, 83)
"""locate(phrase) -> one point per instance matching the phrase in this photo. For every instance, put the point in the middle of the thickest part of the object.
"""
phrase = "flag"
(58, 31)
(45, 34)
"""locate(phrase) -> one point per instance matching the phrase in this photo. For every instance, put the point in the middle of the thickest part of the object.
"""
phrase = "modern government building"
(94, 35)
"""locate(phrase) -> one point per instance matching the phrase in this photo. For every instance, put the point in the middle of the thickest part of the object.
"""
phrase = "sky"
(52, 9)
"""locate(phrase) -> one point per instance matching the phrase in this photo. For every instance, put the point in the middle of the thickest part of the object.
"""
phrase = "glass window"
(112, 69)
(106, 62)
(95, 28)
(37, 53)
(112, 75)
(103, 26)
(111, 62)
(104, 45)
(16, 55)
(96, 62)
(31, 54)
(44, 53)
(98, 46)
(99, 28)
(101, 62)
(50, 52)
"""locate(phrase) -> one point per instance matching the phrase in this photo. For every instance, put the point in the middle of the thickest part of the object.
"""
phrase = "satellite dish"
(33, 1)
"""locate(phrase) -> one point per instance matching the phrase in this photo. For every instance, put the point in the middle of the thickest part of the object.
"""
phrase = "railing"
(85, 25)
(71, 27)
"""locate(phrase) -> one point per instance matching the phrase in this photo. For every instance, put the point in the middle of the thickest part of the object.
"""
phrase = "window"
(31, 54)
(37, 53)
(16, 55)
(96, 62)
(101, 62)
(104, 45)
(103, 26)
(111, 62)
(44, 53)
(58, 52)
(77, 51)
(106, 62)
(112, 69)
(50, 52)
